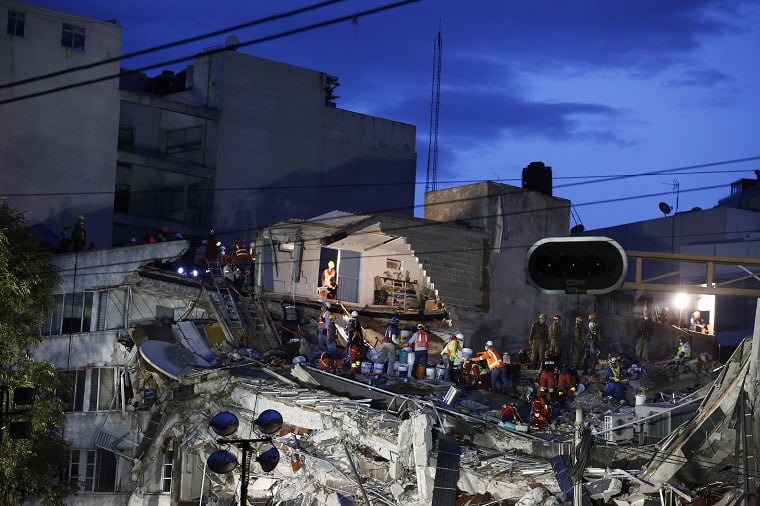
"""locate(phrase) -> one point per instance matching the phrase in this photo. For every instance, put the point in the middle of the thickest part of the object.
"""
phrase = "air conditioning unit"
(662, 418)
(618, 427)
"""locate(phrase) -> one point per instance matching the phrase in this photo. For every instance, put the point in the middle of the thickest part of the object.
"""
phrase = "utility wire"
(287, 33)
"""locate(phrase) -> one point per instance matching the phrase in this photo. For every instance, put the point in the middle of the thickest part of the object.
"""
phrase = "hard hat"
(331, 264)
(81, 217)
(394, 319)
(542, 315)
(354, 314)
(613, 361)
(420, 326)
(592, 316)
(327, 305)
(460, 336)
(557, 317)
(332, 316)
(578, 319)
(489, 343)
(212, 231)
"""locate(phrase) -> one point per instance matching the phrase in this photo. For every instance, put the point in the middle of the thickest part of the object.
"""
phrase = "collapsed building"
(153, 356)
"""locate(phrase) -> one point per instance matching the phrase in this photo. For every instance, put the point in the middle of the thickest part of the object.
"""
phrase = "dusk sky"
(595, 89)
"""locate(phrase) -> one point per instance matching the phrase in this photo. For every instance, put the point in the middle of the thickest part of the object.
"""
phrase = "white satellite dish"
(232, 43)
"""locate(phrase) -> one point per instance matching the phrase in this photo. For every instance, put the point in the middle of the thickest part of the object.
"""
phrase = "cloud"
(706, 78)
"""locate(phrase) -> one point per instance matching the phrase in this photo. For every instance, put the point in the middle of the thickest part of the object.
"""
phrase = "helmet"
(81, 217)
(326, 305)
(489, 343)
(460, 336)
(212, 232)
(354, 314)
(578, 319)
(420, 326)
(613, 360)
(332, 317)
(331, 264)
(592, 316)
(394, 319)
(542, 315)
(557, 317)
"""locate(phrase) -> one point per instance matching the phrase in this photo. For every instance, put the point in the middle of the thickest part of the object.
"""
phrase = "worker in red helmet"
(540, 413)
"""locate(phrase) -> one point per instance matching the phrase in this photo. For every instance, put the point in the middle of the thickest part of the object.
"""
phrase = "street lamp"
(223, 461)
(22, 396)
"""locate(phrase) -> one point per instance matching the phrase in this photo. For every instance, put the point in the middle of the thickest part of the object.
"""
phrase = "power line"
(287, 33)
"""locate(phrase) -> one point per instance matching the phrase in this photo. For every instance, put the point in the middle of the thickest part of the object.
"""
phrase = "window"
(166, 473)
(72, 312)
(95, 389)
(73, 37)
(15, 23)
(95, 470)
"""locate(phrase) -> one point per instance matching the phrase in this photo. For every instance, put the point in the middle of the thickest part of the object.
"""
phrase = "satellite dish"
(232, 43)
(665, 208)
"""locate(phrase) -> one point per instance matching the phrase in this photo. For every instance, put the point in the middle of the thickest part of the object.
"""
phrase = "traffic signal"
(590, 265)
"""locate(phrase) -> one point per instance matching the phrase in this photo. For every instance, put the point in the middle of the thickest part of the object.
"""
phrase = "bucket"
(402, 356)
(430, 373)
(403, 370)
(395, 368)
(420, 372)
(451, 396)
(440, 371)
(467, 352)
(378, 369)
(366, 368)
(641, 399)
(322, 291)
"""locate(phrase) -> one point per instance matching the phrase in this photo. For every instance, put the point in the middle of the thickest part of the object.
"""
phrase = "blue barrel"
(402, 356)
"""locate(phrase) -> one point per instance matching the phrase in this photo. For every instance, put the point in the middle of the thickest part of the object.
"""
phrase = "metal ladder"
(224, 302)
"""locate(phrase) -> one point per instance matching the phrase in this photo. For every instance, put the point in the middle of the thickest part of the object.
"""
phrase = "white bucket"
(379, 368)
(366, 368)
(402, 370)
(410, 358)
(395, 368)
(641, 399)
(430, 373)
(440, 371)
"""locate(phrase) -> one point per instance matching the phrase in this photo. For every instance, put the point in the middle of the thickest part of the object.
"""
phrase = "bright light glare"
(681, 300)
(180, 270)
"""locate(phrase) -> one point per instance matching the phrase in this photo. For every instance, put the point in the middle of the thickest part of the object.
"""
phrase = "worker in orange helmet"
(540, 414)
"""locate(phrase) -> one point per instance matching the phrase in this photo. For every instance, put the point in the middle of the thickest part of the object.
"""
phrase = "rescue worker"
(617, 382)
(593, 340)
(355, 349)
(579, 342)
(330, 279)
(419, 343)
(242, 259)
(288, 320)
(643, 335)
(540, 413)
(509, 414)
(79, 235)
(451, 354)
(332, 335)
(64, 241)
(322, 321)
(567, 385)
(497, 366)
(556, 337)
(539, 333)
(546, 380)
(388, 349)
(684, 349)
(212, 247)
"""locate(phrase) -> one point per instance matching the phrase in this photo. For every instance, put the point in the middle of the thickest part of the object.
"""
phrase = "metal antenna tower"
(432, 161)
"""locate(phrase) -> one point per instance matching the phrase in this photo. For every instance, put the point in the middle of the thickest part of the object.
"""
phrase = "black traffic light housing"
(590, 265)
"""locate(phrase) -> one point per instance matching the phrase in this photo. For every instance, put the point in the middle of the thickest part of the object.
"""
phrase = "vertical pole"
(578, 485)
(245, 448)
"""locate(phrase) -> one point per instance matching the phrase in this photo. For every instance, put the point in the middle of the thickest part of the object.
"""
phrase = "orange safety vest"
(492, 357)
(240, 250)
(422, 340)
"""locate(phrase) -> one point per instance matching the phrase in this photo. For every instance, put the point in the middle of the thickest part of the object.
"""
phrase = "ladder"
(225, 304)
